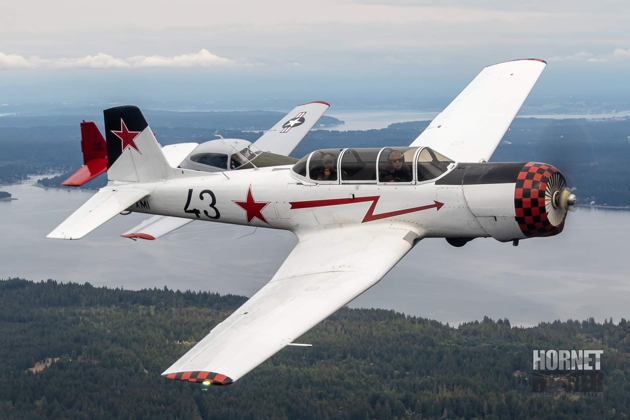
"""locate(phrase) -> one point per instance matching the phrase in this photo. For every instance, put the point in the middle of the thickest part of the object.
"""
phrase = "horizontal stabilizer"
(155, 227)
(86, 173)
(103, 206)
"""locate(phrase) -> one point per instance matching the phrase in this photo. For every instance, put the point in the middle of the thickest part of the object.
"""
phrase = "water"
(581, 273)
(376, 120)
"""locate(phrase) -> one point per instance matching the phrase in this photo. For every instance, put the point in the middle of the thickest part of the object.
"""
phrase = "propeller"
(559, 199)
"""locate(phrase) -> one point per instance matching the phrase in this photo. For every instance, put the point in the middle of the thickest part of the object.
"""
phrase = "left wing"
(471, 127)
(327, 269)
(283, 137)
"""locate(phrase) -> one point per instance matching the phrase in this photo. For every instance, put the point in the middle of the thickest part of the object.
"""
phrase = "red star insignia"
(127, 137)
(253, 208)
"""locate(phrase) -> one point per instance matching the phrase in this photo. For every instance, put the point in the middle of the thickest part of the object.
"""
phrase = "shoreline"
(599, 206)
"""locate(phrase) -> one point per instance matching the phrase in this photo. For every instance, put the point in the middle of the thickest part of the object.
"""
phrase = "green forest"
(107, 347)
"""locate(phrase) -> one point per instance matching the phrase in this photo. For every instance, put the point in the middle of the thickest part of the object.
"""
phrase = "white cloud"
(581, 56)
(620, 53)
(13, 61)
(203, 58)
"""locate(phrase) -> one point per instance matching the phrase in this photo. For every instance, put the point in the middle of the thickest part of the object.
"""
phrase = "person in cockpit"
(329, 169)
(397, 170)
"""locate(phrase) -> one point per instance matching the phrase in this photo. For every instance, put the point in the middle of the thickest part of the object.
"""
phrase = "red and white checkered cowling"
(532, 200)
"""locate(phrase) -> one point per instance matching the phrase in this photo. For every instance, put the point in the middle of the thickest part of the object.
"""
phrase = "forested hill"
(103, 351)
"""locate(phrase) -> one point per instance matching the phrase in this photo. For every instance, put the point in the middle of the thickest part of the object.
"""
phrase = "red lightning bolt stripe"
(369, 216)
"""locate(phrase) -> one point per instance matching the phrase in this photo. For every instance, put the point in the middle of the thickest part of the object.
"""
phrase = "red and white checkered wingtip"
(208, 378)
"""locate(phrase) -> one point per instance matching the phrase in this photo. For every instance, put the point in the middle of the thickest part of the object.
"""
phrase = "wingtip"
(316, 102)
(139, 236)
(520, 59)
(201, 377)
(56, 235)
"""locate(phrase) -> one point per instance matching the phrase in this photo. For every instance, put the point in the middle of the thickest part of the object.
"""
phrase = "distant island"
(5, 196)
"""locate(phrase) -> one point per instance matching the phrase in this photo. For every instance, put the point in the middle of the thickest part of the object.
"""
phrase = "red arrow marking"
(369, 216)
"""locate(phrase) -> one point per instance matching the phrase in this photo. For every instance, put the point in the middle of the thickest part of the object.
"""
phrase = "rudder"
(94, 151)
(133, 153)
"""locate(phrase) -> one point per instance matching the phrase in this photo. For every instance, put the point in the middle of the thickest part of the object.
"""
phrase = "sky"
(364, 50)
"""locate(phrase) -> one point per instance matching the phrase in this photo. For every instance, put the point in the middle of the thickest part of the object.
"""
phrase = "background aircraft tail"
(94, 151)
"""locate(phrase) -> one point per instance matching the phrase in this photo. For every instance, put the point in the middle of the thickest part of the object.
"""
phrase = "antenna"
(243, 156)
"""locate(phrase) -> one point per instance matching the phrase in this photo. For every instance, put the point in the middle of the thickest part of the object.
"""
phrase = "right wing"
(283, 137)
(155, 226)
(326, 270)
(471, 127)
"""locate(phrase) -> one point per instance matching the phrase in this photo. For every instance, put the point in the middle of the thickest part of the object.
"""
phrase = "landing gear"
(458, 242)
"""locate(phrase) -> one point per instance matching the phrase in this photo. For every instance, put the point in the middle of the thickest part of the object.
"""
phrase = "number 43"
(197, 212)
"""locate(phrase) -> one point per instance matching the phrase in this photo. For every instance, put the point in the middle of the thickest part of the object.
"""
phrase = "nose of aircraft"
(542, 200)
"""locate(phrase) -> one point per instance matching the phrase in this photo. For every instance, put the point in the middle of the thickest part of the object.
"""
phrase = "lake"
(379, 119)
(581, 273)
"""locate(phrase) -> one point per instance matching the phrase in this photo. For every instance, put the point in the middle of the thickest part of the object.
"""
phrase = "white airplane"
(356, 212)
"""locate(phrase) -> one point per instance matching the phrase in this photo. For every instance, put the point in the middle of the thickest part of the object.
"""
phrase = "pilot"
(329, 169)
(397, 170)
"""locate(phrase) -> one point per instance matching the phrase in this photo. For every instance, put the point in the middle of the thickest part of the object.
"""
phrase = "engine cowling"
(539, 194)
(514, 201)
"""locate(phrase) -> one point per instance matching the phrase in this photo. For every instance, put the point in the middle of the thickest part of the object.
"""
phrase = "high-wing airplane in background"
(356, 212)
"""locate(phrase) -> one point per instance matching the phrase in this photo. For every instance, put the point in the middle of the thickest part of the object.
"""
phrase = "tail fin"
(94, 156)
(93, 144)
(133, 153)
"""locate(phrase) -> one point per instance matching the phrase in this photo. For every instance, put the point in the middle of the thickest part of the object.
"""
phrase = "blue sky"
(336, 50)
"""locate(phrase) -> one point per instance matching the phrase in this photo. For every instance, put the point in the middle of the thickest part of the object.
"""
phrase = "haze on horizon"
(362, 50)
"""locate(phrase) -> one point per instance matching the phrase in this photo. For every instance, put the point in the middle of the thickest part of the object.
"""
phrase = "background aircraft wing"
(326, 270)
(155, 227)
(471, 127)
(176, 153)
(283, 137)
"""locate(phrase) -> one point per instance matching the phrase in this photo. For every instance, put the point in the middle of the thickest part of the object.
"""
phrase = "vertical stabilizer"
(94, 156)
(133, 153)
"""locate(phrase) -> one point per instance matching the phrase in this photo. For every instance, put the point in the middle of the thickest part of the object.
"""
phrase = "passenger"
(397, 170)
(329, 170)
